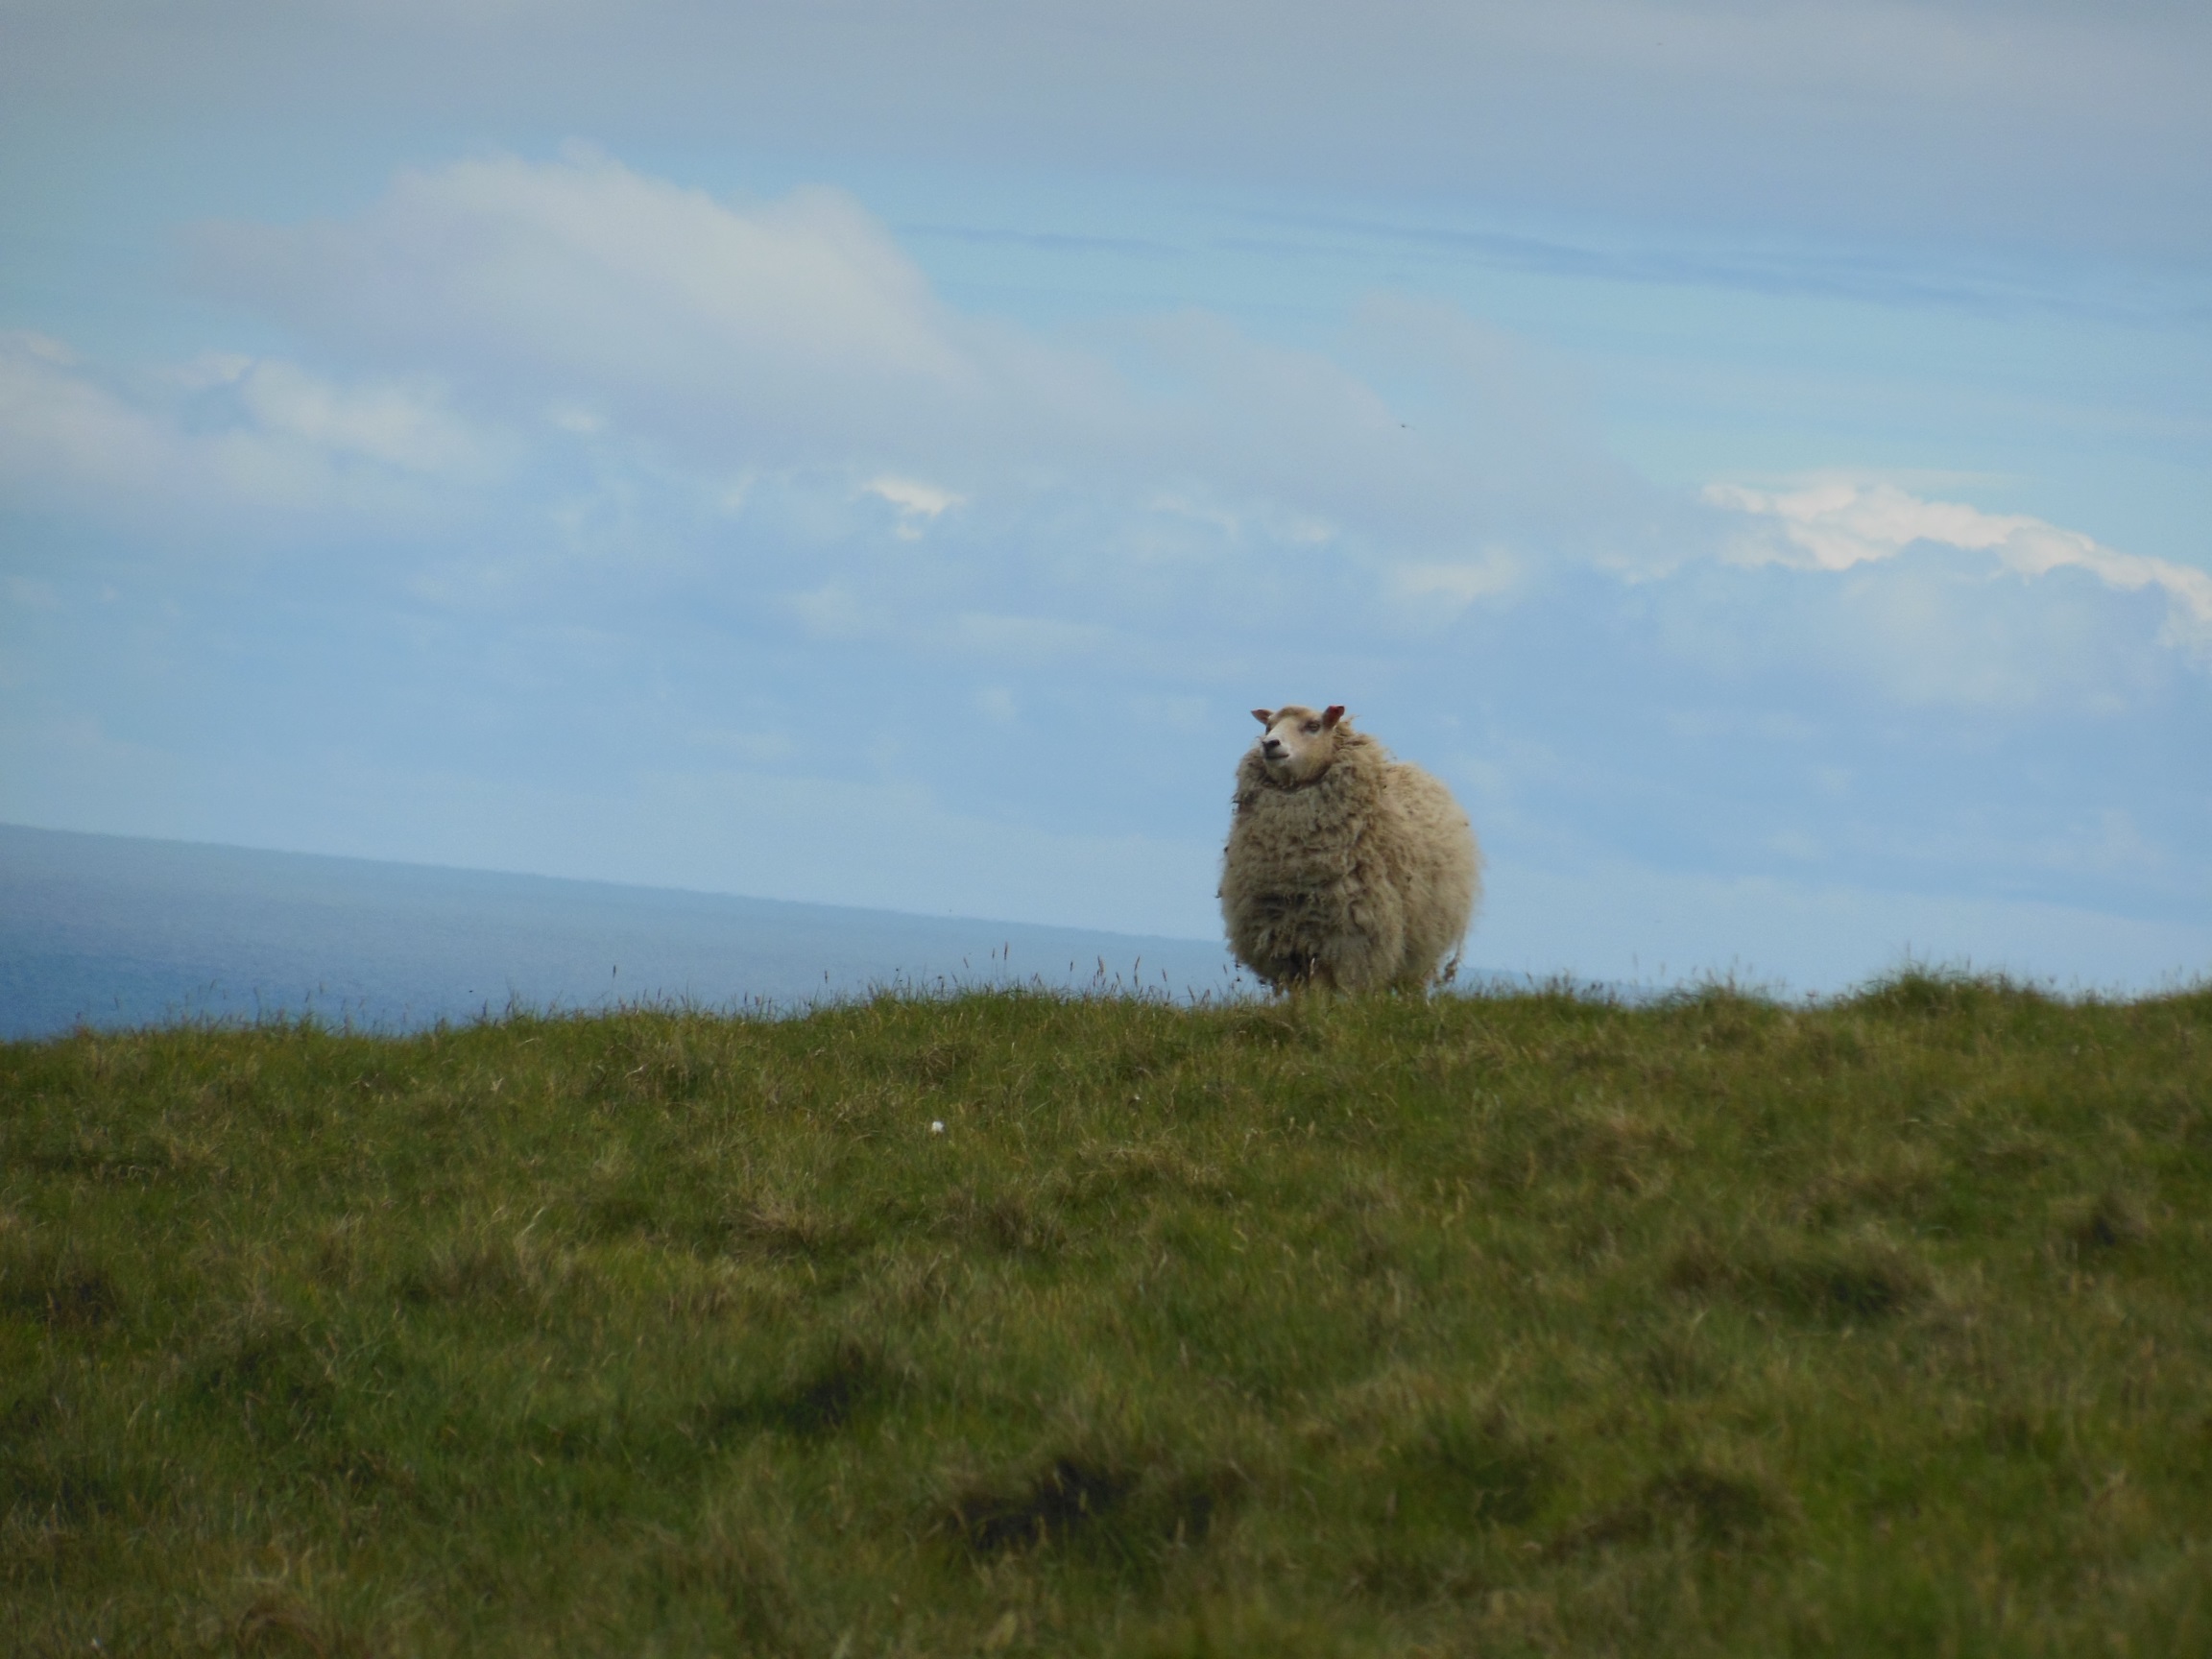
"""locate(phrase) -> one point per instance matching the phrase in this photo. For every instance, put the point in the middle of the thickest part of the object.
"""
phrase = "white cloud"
(593, 288)
(401, 426)
(922, 500)
(59, 428)
(224, 431)
(1249, 522)
(918, 504)
(1446, 589)
(795, 336)
(1835, 525)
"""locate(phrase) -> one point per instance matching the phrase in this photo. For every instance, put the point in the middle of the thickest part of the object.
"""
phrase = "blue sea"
(109, 931)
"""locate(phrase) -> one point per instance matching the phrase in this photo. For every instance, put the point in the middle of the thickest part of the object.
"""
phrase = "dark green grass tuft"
(1520, 1325)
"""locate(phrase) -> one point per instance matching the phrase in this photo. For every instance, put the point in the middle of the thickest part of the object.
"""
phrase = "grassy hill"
(1505, 1325)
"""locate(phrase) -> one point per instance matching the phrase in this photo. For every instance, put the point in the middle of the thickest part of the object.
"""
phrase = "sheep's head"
(1299, 744)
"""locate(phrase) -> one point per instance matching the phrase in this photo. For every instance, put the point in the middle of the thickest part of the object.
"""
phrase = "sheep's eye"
(1312, 726)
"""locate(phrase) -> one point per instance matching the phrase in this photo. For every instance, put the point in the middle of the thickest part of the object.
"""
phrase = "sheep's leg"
(1357, 961)
(1366, 950)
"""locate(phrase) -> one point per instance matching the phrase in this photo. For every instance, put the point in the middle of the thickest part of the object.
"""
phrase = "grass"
(1517, 1324)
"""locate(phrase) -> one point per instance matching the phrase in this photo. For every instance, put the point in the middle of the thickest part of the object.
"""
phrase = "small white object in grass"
(936, 1125)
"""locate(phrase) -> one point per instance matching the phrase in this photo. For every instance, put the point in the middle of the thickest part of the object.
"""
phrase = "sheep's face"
(1299, 743)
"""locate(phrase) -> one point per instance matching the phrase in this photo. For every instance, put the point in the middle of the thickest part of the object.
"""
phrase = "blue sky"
(878, 454)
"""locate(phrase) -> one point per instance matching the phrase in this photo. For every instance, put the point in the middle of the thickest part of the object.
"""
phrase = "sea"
(113, 931)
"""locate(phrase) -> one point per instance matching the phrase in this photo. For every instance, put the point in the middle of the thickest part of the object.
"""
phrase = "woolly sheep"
(1344, 868)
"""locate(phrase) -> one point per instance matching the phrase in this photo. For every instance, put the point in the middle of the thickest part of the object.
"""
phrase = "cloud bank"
(2053, 124)
(1834, 526)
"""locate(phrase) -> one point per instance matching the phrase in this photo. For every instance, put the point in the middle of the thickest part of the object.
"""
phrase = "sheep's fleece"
(1344, 868)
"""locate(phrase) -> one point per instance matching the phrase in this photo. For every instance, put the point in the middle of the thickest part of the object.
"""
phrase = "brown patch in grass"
(339, 1253)
(60, 1287)
(1725, 1018)
(1070, 1494)
(1618, 1147)
(1825, 1048)
(742, 1572)
(484, 1272)
(817, 1399)
(1898, 1181)
(1675, 1367)
(773, 1228)
(1941, 993)
(1079, 1498)
(1290, 1025)
(276, 1626)
(1111, 1176)
(1467, 1469)
(2093, 1228)
(1009, 1221)
(1858, 1282)
(1716, 1509)
(941, 1062)
(270, 1370)
(45, 1488)
(2014, 1151)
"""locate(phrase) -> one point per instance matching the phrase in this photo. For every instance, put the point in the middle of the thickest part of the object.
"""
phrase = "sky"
(1759, 456)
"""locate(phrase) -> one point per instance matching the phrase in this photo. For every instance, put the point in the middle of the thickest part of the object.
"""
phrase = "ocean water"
(109, 931)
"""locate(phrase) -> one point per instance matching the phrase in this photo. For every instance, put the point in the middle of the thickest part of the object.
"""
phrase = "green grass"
(1505, 1325)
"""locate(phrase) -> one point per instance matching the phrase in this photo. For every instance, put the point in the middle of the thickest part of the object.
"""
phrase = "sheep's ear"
(1265, 716)
(1330, 716)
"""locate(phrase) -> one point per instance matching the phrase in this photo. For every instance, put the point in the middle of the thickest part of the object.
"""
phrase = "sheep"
(1344, 869)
